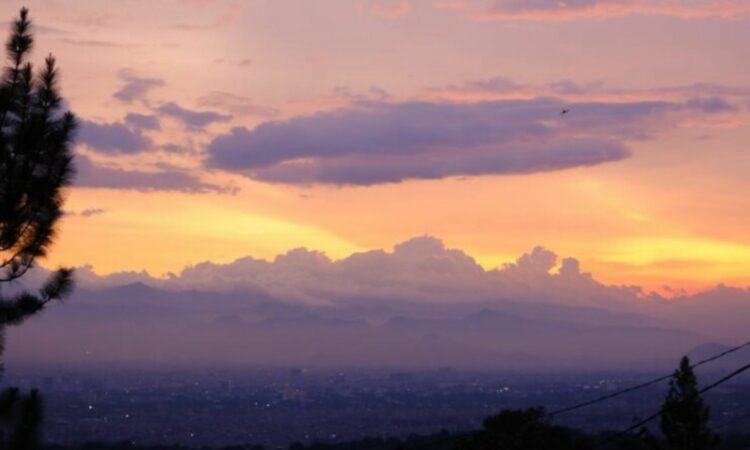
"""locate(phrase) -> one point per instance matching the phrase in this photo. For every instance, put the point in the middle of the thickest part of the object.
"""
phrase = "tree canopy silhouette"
(35, 165)
(36, 135)
(527, 429)
(684, 417)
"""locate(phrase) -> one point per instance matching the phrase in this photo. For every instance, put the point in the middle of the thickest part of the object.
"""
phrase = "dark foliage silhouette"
(35, 165)
(684, 417)
(527, 429)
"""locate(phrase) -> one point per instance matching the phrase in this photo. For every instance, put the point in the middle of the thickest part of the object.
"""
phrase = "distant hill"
(141, 324)
(729, 362)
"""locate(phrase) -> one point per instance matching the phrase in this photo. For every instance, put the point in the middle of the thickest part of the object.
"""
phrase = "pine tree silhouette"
(684, 417)
(35, 165)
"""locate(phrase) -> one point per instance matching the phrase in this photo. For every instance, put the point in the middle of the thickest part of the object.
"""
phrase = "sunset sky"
(217, 129)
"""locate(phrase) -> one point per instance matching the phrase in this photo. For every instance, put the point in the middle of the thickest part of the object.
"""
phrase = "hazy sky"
(217, 129)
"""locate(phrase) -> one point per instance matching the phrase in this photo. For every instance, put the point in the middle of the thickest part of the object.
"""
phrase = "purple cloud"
(92, 175)
(555, 10)
(389, 169)
(135, 87)
(190, 118)
(143, 121)
(380, 142)
(112, 137)
(501, 87)
(711, 105)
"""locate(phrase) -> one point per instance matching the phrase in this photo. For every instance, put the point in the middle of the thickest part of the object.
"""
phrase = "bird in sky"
(564, 111)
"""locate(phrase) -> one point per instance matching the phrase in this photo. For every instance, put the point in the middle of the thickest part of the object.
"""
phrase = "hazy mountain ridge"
(421, 305)
(142, 324)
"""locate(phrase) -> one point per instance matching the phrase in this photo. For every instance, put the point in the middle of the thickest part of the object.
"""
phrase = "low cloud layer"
(381, 142)
(423, 271)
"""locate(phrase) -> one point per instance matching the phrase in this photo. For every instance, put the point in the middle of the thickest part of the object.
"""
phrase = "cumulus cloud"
(93, 175)
(418, 305)
(114, 137)
(135, 87)
(555, 10)
(420, 269)
(379, 142)
(191, 118)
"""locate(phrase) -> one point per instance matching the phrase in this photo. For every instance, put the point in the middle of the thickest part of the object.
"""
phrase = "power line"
(661, 410)
(645, 384)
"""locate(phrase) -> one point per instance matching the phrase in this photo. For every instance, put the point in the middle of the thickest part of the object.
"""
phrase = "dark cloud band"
(381, 142)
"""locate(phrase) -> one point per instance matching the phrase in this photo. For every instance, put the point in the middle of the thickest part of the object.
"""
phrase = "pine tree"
(35, 166)
(684, 418)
